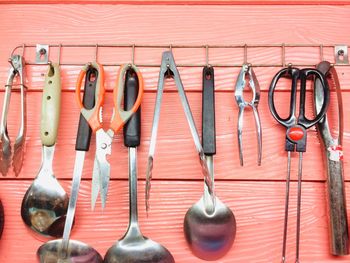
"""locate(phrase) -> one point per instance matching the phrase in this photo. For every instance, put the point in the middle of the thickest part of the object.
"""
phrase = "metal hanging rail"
(340, 53)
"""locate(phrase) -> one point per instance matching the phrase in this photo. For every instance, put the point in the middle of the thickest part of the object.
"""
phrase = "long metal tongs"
(6, 156)
(253, 84)
(337, 215)
(168, 69)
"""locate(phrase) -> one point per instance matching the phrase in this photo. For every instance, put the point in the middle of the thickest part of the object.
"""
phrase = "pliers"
(253, 84)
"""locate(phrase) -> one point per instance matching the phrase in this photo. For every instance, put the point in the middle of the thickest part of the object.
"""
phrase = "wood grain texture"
(225, 78)
(175, 141)
(258, 208)
(256, 194)
(183, 2)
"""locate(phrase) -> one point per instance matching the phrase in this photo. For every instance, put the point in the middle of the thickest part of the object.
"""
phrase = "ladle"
(66, 250)
(134, 247)
(44, 205)
(210, 227)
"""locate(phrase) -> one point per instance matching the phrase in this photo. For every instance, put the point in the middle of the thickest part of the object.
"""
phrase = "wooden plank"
(176, 157)
(225, 78)
(266, 24)
(257, 204)
(134, 19)
(183, 2)
(258, 208)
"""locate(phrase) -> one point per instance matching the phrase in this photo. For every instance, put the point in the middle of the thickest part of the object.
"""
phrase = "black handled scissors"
(296, 126)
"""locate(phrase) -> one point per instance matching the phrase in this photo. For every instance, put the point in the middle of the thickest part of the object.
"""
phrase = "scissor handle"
(295, 75)
(304, 74)
(120, 115)
(92, 115)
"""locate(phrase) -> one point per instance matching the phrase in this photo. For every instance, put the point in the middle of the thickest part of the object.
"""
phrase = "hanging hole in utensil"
(48, 97)
(131, 73)
(208, 76)
(50, 82)
(51, 72)
(46, 133)
(92, 77)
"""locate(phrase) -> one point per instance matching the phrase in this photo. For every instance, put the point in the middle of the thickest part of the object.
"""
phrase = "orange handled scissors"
(101, 171)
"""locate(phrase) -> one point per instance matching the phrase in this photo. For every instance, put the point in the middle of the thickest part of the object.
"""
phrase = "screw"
(340, 52)
(42, 51)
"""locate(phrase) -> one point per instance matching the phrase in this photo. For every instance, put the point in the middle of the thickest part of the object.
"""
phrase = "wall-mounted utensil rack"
(42, 53)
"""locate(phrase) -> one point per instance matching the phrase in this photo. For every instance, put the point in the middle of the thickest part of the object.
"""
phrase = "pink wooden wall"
(255, 194)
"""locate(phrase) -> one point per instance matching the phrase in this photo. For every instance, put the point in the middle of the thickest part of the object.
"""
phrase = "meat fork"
(6, 155)
(253, 84)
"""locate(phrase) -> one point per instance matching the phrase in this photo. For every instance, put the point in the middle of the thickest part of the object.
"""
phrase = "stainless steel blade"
(78, 170)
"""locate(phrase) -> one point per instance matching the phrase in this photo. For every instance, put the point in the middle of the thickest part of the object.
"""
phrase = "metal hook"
(96, 52)
(245, 53)
(11, 62)
(321, 52)
(207, 55)
(283, 54)
(59, 54)
(133, 54)
(23, 47)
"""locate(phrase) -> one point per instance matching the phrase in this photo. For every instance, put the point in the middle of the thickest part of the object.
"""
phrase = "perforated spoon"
(210, 227)
(134, 247)
(45, 203)
(66, 250)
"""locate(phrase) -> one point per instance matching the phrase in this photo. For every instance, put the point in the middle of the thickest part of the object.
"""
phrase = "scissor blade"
(95, 188)
(104, 169)
(103, 148)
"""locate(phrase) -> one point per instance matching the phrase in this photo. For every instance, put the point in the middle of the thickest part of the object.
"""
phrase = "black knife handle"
(208, 112)
(84, 131)
(132, 129)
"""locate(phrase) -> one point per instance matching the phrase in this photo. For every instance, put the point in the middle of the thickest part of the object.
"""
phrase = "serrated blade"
(104, 169)
(95, 188)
